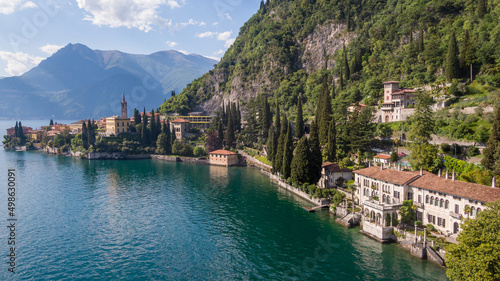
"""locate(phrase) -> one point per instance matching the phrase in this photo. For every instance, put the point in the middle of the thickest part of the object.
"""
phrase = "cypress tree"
(153, 128)
(287, 153)
(490, 153)
(166, 131)
(22, 137)
(316, 159)
(91, 132)
(51, 122)
(278, 156)
(299, 124)
(144, 130)
(300, 166)
(161, 144)
(341, 84)
(347, 73)
(467, 54)
(85, 135)
(238, 117)
(272, 142)
(452, 64)
(137, 116)
(421, 41)
(277, 119)
(323, 112)
(332, 143)
(234, 116)
(16, 130)
(266, 119)
(230, 138)
(482, 8)
(220, 131)
(358, 63)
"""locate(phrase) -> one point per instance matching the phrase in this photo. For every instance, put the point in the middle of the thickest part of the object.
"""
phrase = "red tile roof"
(468, 190)
(334, 168)
(432, 182)
(388, 175)
(382, 156)
(179, 120)
(223, 152)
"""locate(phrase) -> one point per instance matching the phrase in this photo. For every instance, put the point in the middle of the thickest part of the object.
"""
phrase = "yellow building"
(223, 158)
(116, 125)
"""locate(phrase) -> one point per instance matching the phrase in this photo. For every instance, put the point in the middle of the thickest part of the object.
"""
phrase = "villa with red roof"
(181, 128)
(398, 103)
(333, 175)
(440, 201)
(223, 157)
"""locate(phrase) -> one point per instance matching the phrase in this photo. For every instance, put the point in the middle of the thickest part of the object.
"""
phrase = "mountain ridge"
(78, 82)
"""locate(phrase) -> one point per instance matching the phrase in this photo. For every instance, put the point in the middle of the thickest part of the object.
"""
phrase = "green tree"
(452, 69)
(300, 163)
(272, 144)
(407, 212)
(287, 153)
(299, 123)
(199, 151)
(316, 159)
(266, 117)
(482, 8)
(422, 121)
(493, 144)
(162, 144)
(421, 41)
(347, 72)
(278, 156)
(51, 122)
(331, 154)
(85, 136)
(467, 54)
(144, 130)
(323, 112)
(182, 147)
(230, 136)
(477, 255)
(424, 155)
(137, 116)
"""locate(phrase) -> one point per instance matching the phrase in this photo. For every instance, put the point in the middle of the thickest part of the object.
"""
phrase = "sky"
(33, 30)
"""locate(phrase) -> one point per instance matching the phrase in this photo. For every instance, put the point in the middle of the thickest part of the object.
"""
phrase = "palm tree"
(467, 210)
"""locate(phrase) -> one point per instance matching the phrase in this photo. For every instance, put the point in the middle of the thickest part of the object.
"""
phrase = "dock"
(310, 210)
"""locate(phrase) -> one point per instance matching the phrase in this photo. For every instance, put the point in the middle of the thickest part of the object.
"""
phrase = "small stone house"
(332, 174)
(223, 157)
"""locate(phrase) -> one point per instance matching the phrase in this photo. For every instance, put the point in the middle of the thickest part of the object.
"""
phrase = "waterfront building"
(196, 120)
(440, 201)
(398, 103)
(118, 124)
(333, 175)
(76, 127)
(12, 131)
(181, 128)
(223, 157)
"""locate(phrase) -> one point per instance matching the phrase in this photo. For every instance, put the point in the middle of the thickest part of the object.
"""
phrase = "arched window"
(473, 211)
(446, 204)
(437, 202)
(441, 203)
(432, 200)
(383, 198)
(427, 199)
(478, 210)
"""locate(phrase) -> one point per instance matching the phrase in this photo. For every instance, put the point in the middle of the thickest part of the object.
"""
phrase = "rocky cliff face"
(316, 53)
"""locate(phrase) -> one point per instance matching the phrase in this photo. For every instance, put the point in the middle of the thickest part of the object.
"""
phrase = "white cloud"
(224, 36)
(183, 51)
(219, 52)
(215, 23)
(229, 42)
(171, 44)
(50, 49)
(206, 34)
(228, 16)
(140, 14)
(28, 5)
(202, 24)
(18, 63)
(214, 58)
(9, 6)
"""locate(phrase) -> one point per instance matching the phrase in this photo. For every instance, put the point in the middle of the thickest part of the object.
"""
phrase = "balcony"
(388, 106)
(455, 215)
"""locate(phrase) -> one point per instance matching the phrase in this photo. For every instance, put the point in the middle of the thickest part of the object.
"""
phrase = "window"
(410, 196)
(447, 204)
(432, 200)
(437, 202)
(457, 209)
(396, 194)
(427, 199)
(419, 198)
(441, 203)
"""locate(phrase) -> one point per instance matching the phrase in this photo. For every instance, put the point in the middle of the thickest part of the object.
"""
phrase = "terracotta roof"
(388, 175)
(402, 91)
(179, 120)
(391, 82)
(382, 156)
(468, 190)
(222, 152)
(334, 168)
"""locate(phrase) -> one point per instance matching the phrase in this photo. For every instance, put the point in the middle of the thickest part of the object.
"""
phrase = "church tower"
(124, 107)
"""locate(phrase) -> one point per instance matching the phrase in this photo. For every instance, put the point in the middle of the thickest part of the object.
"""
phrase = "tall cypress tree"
(137, 116)
(153, 128)
(467, 54)
(272, 143)
(144, 129)
(287, 153)
(332, 143)
(299, 124)
(323, 113)
(16, 130)
(452, 70)
(168, 133)
(493, 144)
(22, 137)
(316, 159)
(91, 132)
(230, 138)
(85, 135)
(266, 119)
(300, 167)
(278, 157)
(482, 8)
(347, 72)
(277, 118)
(51, 122)
(358, 63)
(421, 41)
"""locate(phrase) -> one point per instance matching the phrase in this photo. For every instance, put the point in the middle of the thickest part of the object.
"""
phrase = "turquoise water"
(153, 220)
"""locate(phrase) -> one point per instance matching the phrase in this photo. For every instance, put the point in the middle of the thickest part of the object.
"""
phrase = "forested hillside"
(288, 47)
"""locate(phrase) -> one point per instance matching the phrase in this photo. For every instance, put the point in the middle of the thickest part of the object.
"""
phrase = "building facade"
(440, 201)
(116, 125)
(223, 158)
(398, 103)
(333, 175)
(181, 128)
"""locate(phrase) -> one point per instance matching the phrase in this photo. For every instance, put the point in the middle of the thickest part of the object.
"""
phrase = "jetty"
(313, 209)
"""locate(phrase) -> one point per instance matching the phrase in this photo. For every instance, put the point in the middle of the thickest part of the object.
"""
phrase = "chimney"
(494, 182)
(381, 166)
(421, 171)
(439, 173)
(453, 176)
(369, 164)
(399, 167)
(446, 177)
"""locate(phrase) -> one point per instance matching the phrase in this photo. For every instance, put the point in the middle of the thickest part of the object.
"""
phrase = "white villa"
(441, 201)
(397, 103)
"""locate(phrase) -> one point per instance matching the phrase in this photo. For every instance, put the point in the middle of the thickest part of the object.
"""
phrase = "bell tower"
(124, 107)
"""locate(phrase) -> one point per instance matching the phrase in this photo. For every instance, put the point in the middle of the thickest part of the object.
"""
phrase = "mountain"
(289, 46)
(78, 82)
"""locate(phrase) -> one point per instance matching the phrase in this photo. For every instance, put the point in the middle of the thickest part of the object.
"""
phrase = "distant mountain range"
(78, 82)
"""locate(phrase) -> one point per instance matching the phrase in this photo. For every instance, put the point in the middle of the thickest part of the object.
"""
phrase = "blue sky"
(33, 30)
